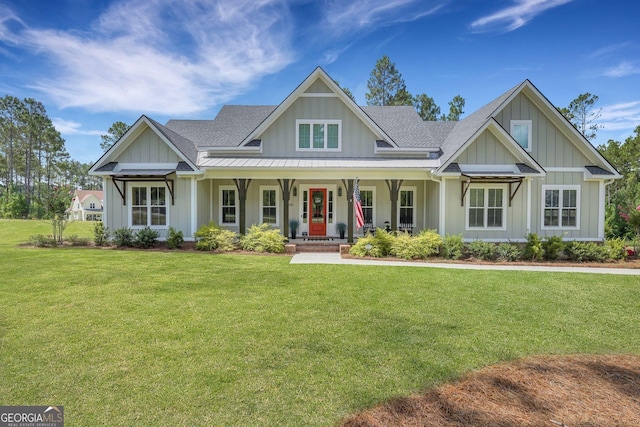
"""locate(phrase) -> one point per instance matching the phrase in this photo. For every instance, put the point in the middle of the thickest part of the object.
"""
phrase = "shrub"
(211, 237)
(482, 250)
(42, 241)
(533, 249)
(78, 241)
(123, 237)
(146, 238)
(101, 234)
(403, 246)
(552, 247)
(508, 251)
(381, 243)
(452, 246)
(424, 245)
(587, 252)
(175, 238)
(616, 249)
(262, 238)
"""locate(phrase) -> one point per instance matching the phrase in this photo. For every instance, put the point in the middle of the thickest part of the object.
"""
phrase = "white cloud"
(514, 17)
(608, 50)
(344, 17)
(161, 56)
(623, 69)
(622, 116)
(69, 127)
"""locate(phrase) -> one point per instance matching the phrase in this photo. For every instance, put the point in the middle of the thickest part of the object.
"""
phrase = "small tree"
(633, 219)
(57, 201)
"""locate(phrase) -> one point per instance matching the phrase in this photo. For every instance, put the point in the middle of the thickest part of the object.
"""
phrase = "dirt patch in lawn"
(538, 391)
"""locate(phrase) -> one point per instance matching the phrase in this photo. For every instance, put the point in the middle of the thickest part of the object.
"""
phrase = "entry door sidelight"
(318, 212)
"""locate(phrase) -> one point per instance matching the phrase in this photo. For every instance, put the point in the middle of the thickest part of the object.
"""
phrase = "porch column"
(394, 191)
(286, 196)
(242, 185)
(349, 187)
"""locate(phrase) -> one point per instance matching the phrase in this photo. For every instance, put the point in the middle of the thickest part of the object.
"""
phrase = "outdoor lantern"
(339, 191)
(295, 191)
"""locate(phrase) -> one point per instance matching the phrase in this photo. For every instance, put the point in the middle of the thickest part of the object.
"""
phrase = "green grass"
(176, 338)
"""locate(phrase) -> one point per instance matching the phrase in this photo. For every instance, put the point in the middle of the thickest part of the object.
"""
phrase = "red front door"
(318, 212)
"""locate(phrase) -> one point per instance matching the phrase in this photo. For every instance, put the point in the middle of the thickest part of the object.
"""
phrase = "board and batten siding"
(486, 150)
(179, 213)
(318, 87)
(550, 147)
(589, 205)
(279, 140)
(431, 205)
(456, 214)
(148, 148)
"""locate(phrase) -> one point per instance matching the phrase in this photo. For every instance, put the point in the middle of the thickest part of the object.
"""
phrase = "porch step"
(318, 247)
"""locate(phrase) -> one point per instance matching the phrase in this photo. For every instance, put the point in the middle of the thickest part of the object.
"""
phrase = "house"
(513, 167)
(86, 205)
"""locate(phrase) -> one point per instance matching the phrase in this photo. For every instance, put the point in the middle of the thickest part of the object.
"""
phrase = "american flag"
(357, 206)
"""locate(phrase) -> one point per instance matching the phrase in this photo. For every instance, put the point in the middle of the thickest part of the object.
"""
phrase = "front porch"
(319, 208)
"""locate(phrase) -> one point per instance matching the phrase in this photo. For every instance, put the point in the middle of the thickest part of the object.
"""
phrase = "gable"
(148, 148)
(148, 142)
(319, 78)
(279, 139)
(486, 149)
(555, 142)
(318, 86)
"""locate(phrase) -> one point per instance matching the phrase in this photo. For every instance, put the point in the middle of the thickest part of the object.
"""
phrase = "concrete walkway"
(335, 258)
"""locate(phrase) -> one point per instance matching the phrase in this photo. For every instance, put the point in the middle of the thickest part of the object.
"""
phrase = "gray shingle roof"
(402, 124)
(597, 170)
(468, 126)
(107, 167)
(229, 128)
(184, 145)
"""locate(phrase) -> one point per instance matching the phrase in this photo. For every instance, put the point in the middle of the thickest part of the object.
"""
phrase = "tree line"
(33, 159)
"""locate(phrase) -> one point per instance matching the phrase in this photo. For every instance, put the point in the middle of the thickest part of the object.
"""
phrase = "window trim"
(326, 134)
(413, 207)
(562, 188)
(148, 185)
(486, 188)
(223, 188)
(529, 124)
(264, 188)
(373, 203)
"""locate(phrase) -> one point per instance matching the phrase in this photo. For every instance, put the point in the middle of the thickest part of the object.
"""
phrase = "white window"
(148, 206)
(486, 207)
(228, 205)
(312, 135)
(92, 205)
(521, 132)
(269, 202)
(406, 207)
(561, 206)
(367, 196)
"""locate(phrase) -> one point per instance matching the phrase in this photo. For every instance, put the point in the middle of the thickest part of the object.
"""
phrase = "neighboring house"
(515, 166)
(86, 205)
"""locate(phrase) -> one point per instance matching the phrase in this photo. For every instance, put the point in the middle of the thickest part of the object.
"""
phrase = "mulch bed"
(537, 391)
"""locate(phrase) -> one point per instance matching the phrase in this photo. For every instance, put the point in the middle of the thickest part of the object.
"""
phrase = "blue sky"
(95, 62)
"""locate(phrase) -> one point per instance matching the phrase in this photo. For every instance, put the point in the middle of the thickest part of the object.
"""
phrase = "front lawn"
(191, 338)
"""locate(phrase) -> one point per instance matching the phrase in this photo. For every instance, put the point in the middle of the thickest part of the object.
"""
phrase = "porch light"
(339, 191)
(295, 191)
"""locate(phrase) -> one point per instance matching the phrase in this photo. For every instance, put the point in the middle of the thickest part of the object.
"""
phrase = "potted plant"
(293, 227)
(342, 228)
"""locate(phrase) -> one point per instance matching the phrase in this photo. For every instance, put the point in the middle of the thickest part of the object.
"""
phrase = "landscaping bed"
(536, 391)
